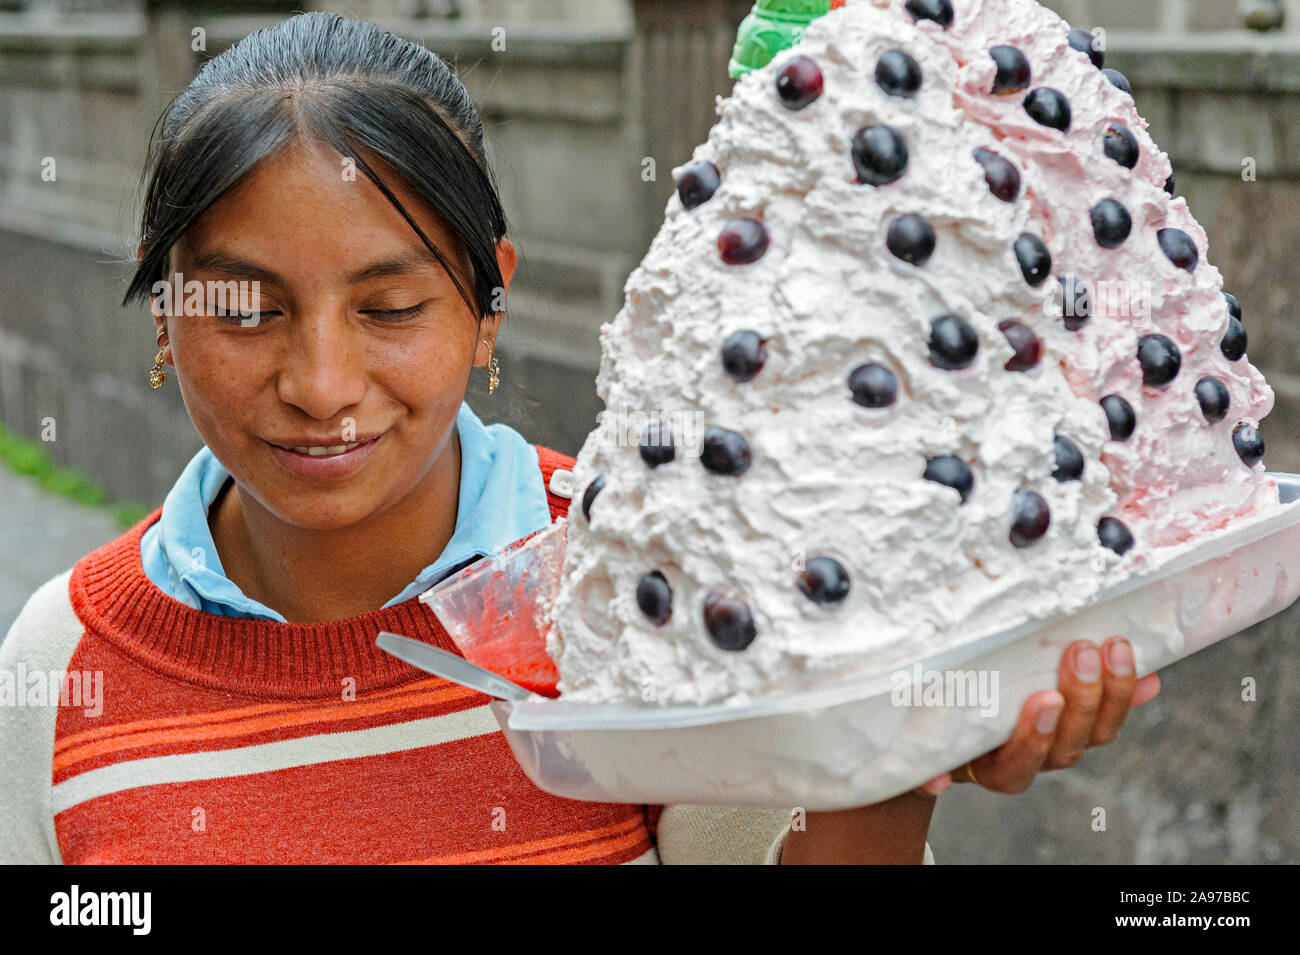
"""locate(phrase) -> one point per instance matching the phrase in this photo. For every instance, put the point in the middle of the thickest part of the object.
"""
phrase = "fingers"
(1119, 683)
(1146, 691)
(1098, 687)
(1080, 681)
(935, 786)
(1011, 767)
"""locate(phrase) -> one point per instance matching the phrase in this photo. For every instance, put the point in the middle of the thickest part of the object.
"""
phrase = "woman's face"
(363, 337)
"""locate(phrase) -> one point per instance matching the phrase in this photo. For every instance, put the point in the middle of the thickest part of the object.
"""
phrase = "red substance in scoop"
(521, 659)
(516, 652)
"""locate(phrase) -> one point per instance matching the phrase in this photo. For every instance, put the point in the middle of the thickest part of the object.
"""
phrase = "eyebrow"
(409, 262)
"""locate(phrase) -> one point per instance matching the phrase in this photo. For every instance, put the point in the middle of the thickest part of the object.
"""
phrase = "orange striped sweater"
(216, 739)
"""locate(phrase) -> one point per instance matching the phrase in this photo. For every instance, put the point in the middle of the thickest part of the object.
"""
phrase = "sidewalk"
(41, 535)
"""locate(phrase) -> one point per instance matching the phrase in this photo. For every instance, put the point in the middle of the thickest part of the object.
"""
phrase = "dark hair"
(357, 89)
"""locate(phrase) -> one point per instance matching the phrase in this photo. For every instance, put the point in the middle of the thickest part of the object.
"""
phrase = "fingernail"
(1087, 665)
(935, 787)
(1121, 658)
(1048, 716)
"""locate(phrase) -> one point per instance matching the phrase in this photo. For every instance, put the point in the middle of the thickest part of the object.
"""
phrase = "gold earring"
(493, 367)
(156, 374)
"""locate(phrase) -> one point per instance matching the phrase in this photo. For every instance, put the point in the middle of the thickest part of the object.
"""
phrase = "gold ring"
(970, 771)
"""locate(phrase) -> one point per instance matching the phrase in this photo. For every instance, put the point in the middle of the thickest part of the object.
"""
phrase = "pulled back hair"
(354, 87)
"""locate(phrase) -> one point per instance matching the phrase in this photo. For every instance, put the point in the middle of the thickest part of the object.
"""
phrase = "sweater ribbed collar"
(116, 601)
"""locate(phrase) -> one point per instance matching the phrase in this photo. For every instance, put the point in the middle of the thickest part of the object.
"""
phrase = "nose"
(324, 372)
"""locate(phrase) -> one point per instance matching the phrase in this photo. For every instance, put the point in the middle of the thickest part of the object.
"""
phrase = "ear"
(490, 325)
(507, 260)
(159, 323)
(156, 309)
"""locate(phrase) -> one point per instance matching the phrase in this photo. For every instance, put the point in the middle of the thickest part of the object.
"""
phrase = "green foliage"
(30, 458)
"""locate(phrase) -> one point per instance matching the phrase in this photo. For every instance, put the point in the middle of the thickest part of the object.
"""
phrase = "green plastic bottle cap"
(772, 26)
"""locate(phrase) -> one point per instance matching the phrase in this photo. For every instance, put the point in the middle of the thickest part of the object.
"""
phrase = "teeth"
(317, 452)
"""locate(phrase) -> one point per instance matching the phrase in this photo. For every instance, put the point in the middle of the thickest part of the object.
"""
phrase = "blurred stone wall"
(1171, 16)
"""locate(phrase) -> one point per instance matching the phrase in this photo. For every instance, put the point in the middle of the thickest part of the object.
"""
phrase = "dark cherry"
(1119, 143)
(1169, 185)
(1076, 304)
(911, 239)
(953, 343)
(1179, 248)
(1212, 395)
(1034, 258)
(1111, 223)
(589, 495)
(951, 472)
(873, 386)
(743, 354)
(898, 74)
(1069, 460)
(1249, 444)
(1120, 417)
(1118, 80)
(1048, 107)
(1233, 345)
(1013, 69)
(729, 622)
(1028, 349)
(1112, 534)
(697, 183)
(726, 452)
(799, 82)
(824, 580)
(1002, 176)
(1030, 518)
(657, 445)
(655, 597)
(879, 155)
(743, 241)
(1085, 42)
(1160, 360)
(940, 11)
(1234, 307)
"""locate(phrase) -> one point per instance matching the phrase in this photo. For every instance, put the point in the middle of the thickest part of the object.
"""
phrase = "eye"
(248, 319)
(395, 314)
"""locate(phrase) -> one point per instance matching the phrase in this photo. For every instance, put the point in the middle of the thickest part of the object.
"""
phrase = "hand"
(1097, 690)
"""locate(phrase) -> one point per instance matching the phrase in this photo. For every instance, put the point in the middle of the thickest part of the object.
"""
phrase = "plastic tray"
(851, 744)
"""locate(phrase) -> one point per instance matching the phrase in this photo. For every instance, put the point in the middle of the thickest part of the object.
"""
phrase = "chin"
(323, 512)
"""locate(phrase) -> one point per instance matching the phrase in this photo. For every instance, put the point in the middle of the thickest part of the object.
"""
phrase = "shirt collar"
(502, 499)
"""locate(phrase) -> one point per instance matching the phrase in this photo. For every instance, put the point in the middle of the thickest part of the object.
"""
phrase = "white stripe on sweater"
(269, 757)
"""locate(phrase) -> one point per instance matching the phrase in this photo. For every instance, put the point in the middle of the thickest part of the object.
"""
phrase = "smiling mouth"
(323, 450)
(319, 452)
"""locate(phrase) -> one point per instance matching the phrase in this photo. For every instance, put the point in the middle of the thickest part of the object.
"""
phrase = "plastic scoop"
(449, 666)
(495, 610)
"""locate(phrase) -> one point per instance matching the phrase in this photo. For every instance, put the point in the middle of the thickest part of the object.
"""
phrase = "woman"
(326, 257)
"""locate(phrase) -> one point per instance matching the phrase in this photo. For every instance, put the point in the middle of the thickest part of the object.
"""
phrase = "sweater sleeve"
(40, 642)
(725, 835)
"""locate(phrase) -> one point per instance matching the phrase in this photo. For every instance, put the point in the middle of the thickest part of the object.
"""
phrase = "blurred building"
(580, 99)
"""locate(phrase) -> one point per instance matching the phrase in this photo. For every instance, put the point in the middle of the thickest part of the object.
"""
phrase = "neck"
(312, 576)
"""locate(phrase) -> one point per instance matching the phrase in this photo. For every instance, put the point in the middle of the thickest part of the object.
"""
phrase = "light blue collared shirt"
(502, 499)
